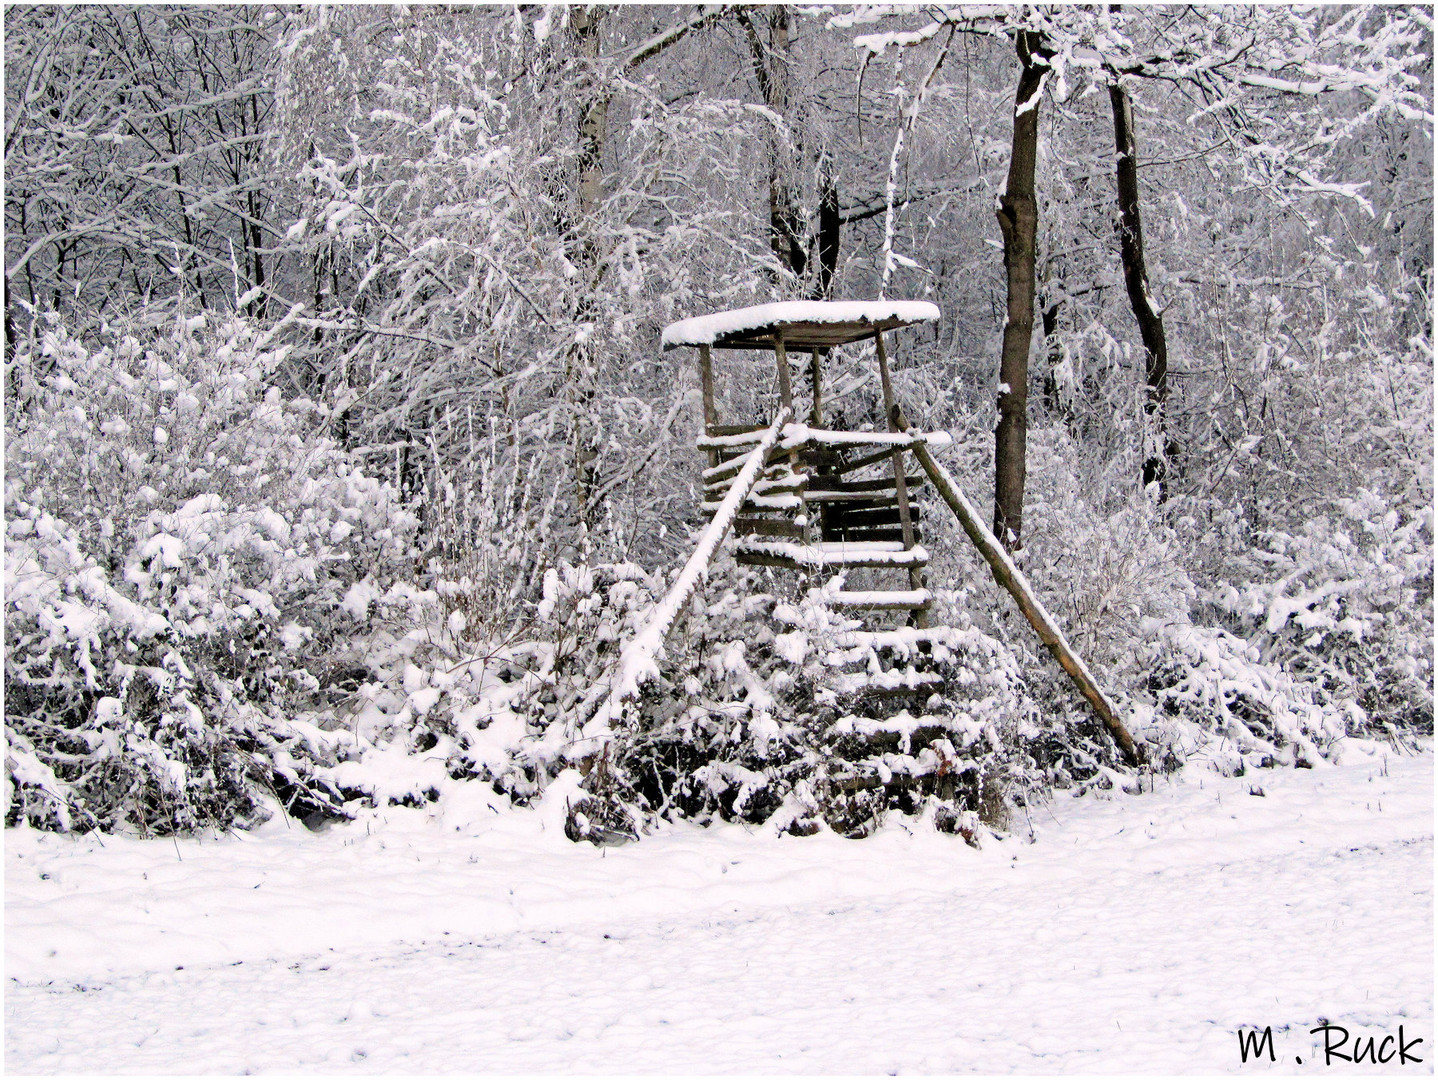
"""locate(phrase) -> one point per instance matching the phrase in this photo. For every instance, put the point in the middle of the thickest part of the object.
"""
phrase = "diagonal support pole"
(1007, 574)
(639, 660)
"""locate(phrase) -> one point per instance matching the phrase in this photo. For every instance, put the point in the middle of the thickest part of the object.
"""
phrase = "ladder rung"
(849, 534)
(881, 483)
(814, 556)
(875, 498)
(893, 681)
(792, 482)
(735, 464)
(758, 502)
(845, 517)
(766, 526)
(723, 430)
(878, 600)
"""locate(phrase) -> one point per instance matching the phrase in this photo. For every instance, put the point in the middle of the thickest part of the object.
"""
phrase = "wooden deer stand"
(802, 496)
(828, 499)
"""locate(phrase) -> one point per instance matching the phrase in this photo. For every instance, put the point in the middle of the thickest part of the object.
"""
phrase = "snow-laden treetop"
(802, 323)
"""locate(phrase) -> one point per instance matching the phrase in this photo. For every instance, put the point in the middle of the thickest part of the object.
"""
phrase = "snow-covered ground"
(1134, 934)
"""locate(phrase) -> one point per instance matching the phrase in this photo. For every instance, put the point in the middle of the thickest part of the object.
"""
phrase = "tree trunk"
(1158, 449)
(1018, 221)
(10, 335)
(829, 226)
(771, 71)
(589, 193)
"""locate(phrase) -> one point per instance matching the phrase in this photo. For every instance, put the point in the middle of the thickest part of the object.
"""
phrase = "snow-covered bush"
(1216, 695)
(1248, 651)
(765, 709)
(584, 616)
(188, 562)
(1347, 603)
(1103, 554)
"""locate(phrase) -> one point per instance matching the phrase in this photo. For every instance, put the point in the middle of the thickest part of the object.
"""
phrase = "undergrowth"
(216, 610)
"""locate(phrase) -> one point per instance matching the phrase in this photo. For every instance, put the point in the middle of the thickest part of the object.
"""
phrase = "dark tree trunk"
(829, 225)
(10, 334)
(1018, 214)
(771, 70)
(1135, 278)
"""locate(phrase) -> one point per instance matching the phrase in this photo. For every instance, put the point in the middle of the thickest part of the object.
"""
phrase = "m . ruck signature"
(1361, 1050)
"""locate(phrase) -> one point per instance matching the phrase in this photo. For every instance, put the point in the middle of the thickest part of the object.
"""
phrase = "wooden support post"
(901, 485)
(786, 384)
(816, 420)
(786, 387)
(1007, 574)
(816, 414)
(706, 386)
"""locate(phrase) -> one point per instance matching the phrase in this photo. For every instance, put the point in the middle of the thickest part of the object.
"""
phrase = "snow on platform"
(1134, 934)
(805, 323)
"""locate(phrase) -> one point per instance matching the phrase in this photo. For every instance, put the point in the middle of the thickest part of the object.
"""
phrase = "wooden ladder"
(828, 501)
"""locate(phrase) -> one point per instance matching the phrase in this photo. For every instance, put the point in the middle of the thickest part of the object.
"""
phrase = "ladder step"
(888, 497)
(767, 526)
(847, 439)
(880, 600)
(758, 502)
(864, 517)
(893, 681)
(849, 534)
(723, 430)
(788, 482)
(720, 436)
(882, 483)
(732, 467)
(906, 640)
(816, 556)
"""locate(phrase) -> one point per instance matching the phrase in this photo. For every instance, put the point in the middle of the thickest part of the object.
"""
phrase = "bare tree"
(1018, 214)
(772, 66)
(1162, 449)
(134, 155)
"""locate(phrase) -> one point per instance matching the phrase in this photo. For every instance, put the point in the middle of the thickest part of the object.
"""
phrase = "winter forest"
(728, 538)
(343, 462)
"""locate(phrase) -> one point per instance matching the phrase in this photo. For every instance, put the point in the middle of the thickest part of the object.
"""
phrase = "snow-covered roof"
(803, 323)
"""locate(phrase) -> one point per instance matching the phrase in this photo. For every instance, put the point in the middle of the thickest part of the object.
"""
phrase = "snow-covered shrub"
(584, 616)
(1216, 696)
(1347, 604)
(488, 532)
(1102, 554)
(766, 708)
(1266, 649)
(189, 561)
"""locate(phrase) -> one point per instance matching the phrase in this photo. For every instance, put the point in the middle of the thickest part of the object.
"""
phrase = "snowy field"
(1133, 934)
